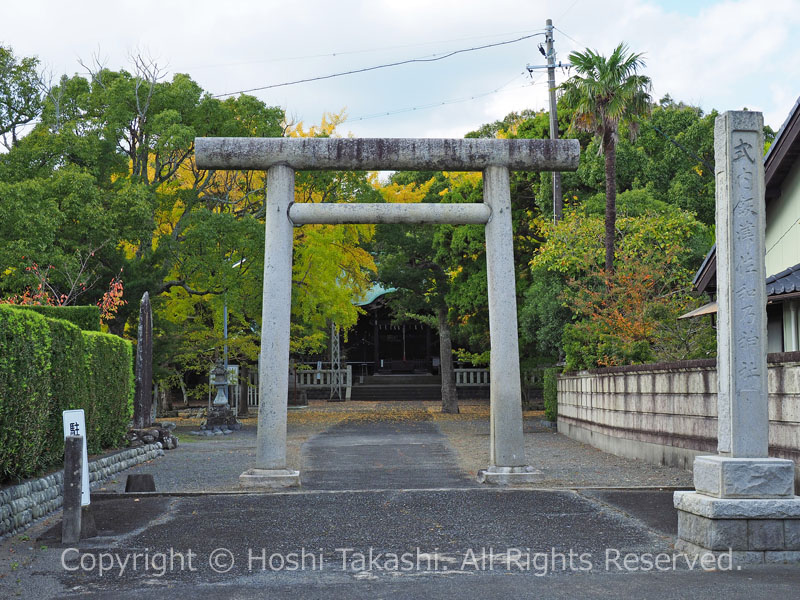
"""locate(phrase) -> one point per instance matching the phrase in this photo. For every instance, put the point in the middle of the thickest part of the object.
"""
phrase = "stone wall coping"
(678, 365)
(784, 357)
(775, 358)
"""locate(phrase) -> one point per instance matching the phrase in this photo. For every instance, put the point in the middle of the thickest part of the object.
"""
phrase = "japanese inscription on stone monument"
(740, 279)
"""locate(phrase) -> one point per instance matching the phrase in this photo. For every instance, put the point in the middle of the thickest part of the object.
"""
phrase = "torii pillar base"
(269, 478)
(509, 475)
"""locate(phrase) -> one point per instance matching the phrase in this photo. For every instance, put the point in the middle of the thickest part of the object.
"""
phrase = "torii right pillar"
(507, 464)
(744, 501)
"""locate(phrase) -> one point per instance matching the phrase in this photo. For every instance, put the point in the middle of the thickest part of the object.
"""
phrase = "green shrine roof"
(375, 292)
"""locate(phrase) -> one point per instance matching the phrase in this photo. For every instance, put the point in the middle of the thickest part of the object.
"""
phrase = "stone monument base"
(221, 416)
(754, 530)
(725, 477)
(269, 478)
(745, 506)
(495, 475)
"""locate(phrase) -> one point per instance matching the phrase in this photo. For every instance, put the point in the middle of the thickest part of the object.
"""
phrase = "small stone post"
(273, 373)
(744, 501)
(143, 398)
(73, 474)
(506, 441)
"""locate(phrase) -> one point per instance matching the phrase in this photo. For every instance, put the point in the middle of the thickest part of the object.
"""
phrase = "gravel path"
(563, 461)
(214, 464)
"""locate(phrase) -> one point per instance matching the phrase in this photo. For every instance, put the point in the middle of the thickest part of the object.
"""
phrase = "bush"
(550, 393)
(68, 383)
(587, 347)
(48, 366)
(109, 406)
(25, 388)
(85, 317)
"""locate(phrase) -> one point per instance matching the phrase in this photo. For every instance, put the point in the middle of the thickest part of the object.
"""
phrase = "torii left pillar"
(273, 372)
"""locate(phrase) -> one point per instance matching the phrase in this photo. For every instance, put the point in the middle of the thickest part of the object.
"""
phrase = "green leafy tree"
(461, 250)
(109, 174)
(629, 315)
(604, 93)
(407, 260)
(20, 95)
(543, 315)
(678, 141)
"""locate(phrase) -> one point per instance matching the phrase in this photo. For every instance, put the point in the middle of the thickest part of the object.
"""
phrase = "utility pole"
(558, 201)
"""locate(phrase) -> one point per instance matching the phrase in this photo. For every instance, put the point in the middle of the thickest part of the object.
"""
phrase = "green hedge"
(25, 385)
(109, 364)
(85, 317)
(50, 365)
(550, 392)
(68, 382)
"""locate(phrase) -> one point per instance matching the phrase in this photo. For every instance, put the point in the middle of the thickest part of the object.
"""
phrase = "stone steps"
(401, 380)
(390, 393)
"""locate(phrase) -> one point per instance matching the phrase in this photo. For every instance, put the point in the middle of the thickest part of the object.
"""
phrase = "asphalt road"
(385, 512)
(364, 455)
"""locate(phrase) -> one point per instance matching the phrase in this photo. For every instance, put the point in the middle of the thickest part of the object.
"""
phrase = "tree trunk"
(610, 152)
(169, 398)
(449, 396)
(184, 392)
(244, 377)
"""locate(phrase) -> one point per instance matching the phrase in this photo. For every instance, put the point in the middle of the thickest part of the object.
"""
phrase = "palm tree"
(604, 93)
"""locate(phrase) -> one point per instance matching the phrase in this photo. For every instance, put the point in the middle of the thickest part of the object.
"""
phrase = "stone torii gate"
(280, 157)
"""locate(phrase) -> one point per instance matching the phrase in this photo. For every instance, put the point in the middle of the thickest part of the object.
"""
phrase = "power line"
(571, 6)
(570, 38)
(709, 168)
(778, 241)
(384, 66)
(363, 51)
(443, 102)
(498, 90)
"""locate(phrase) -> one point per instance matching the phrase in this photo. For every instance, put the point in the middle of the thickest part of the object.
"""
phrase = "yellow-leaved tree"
(222, 260)
(331, 268)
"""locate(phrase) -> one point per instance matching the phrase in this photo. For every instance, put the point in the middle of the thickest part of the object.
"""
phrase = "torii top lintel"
(388, 154)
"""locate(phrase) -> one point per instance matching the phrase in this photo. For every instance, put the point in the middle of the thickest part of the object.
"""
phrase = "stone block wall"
(667, 413)
(21, 505)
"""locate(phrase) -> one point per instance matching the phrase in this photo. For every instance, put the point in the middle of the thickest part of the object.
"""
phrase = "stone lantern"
(221, 383)
(220, 419)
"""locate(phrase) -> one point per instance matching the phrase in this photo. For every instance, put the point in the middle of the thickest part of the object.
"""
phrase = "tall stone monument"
(744, 501)
(143, 397)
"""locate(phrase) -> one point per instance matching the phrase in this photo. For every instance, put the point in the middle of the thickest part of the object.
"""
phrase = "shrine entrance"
(280, 157)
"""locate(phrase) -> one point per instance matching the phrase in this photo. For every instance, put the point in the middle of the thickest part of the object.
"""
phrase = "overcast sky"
(716, 54)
